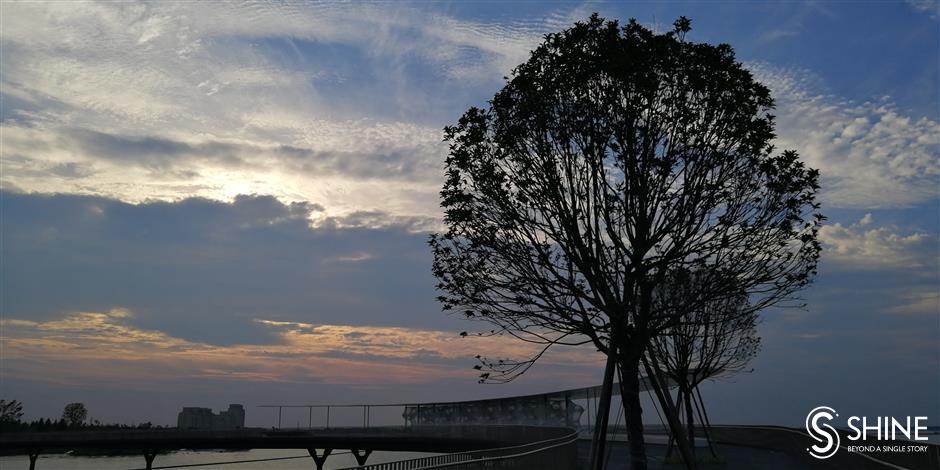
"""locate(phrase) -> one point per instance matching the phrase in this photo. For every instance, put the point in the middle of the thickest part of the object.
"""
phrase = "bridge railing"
(558, 453)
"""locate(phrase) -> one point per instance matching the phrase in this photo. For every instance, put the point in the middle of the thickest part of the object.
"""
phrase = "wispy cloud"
(167, 100)
(918, 301)
(870, 155)
(135, 168)
(142, 101)
(85, 347)
(775, 34)
(930, 7)
(355, 257)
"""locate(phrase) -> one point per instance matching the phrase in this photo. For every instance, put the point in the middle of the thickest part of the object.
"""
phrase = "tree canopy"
(74, 414)
(614, 159)
(10, 411)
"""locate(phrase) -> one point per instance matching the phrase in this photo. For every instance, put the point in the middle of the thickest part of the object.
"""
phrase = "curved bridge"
(530, 431)
(553, 446)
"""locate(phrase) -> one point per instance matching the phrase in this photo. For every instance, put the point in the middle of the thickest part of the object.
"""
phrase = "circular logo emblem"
(823, 433)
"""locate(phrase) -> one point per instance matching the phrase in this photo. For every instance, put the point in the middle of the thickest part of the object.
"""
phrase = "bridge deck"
(397, 439)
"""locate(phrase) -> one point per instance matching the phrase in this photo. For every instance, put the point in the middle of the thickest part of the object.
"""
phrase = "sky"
(205, 203)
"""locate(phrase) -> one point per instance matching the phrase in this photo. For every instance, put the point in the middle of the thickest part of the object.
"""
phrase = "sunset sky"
(206, 203)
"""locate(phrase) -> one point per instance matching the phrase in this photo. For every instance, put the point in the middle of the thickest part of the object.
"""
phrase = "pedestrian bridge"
(531, 431)
(522, 432)
(522, 446)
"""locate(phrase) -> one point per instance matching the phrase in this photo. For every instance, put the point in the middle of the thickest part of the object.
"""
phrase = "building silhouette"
(204, 418)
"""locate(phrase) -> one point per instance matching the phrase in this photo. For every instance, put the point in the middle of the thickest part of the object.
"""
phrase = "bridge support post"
(361, 456)
(149, 455)
(33, 455)
(318, 459)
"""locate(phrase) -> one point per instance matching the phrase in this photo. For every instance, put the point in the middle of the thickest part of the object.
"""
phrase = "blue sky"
(206, 203)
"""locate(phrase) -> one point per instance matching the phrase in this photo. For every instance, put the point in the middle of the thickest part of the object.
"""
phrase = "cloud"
(141, 101)
(870, 155)
(228, 297)
(316, 102)
(812, 336)
(94, 347)
(377, 219)
(880, 248)
(84, 347)
(775, 34)
(201, 269)
(918, 301)
(350, 258)
(161, 155)
(930, 7)
(392, 168)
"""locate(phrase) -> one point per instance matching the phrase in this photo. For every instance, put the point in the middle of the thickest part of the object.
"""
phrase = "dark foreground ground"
(776, 448)
(735, 457)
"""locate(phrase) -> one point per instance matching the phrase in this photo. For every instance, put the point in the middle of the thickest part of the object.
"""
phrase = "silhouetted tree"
(716, 338)
(74, 414)
(10, 411)
(612, 158)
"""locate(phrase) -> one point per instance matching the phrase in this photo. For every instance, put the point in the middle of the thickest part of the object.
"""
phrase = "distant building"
(204, 418)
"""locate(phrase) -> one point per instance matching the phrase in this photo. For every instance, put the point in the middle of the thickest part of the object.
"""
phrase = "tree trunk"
(690, 420)
(706, 424)
(672, 435)
(599, 440)
(633, 412)
(672, 415)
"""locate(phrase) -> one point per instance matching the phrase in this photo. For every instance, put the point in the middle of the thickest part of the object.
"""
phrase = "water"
(340, 459)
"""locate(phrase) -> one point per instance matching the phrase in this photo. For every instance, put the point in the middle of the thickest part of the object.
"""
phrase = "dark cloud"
(71, 170)
(166, 155)
(380, 219)
(15, 110)
(204, 270)
(151, 152)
